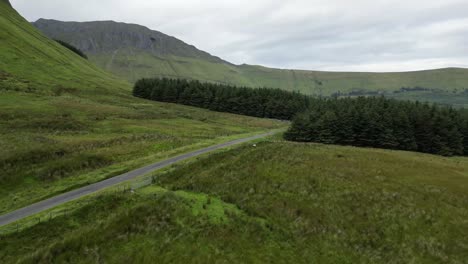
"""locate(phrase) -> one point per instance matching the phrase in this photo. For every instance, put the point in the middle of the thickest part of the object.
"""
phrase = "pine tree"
(403, 130)
(300, 129)
(327, 126)
(389, 138)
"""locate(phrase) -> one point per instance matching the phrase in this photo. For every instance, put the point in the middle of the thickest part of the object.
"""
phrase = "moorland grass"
(278, 202)
(54, 144)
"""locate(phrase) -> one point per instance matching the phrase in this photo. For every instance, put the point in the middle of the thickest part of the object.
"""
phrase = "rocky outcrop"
(109, 36)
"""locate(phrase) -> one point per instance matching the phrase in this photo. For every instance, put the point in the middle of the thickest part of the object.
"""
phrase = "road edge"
(63, 198)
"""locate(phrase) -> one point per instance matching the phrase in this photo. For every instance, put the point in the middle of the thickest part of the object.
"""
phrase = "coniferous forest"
(262, 102)
(383, 123)
(363, 121)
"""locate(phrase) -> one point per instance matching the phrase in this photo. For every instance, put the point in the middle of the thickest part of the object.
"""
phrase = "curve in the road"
(78, 193)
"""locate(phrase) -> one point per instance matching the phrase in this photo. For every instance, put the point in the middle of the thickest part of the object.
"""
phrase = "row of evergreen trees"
(383, 123)
(363, 121)
(72, 48)
(267, 103)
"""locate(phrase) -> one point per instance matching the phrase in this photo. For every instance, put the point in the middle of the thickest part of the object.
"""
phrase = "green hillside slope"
(133, 52)
(317, 204)
(66, 123)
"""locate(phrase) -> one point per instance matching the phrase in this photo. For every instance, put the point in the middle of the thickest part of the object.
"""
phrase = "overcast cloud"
(338, 35)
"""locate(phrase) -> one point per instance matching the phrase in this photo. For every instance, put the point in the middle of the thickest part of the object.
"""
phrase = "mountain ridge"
(41, 21)
(120, 35)
(128, 51)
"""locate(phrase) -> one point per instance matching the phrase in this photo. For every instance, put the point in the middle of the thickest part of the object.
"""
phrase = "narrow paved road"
(78, 193)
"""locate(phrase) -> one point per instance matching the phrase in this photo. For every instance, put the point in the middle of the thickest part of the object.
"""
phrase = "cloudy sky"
(337, 35)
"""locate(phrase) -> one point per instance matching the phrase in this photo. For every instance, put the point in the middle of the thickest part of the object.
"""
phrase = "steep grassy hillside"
(66, 123)
(31, 62)
(133, 52)
(6, 2)
(275, 203)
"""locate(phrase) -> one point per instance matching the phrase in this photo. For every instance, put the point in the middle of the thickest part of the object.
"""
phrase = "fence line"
(124, 189)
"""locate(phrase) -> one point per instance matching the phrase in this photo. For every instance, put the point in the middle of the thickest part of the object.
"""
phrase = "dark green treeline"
(263, 102)
(383, 123)
(72, 48)
(364, 121)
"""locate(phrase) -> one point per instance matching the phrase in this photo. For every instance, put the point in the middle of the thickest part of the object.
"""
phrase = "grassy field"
(65, 123)
(278, 202)
(449, 99)
(54, 144)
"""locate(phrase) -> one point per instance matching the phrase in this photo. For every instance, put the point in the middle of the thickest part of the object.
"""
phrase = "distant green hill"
(133, 51)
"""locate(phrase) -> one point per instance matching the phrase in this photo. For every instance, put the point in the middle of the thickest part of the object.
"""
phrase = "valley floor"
(52, 144)
(278, 202)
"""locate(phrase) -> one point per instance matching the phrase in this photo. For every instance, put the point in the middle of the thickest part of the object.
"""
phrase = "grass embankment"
(278, 202)
(65, 123)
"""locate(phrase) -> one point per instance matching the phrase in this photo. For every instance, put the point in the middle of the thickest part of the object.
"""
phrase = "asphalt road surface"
(78, 193)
